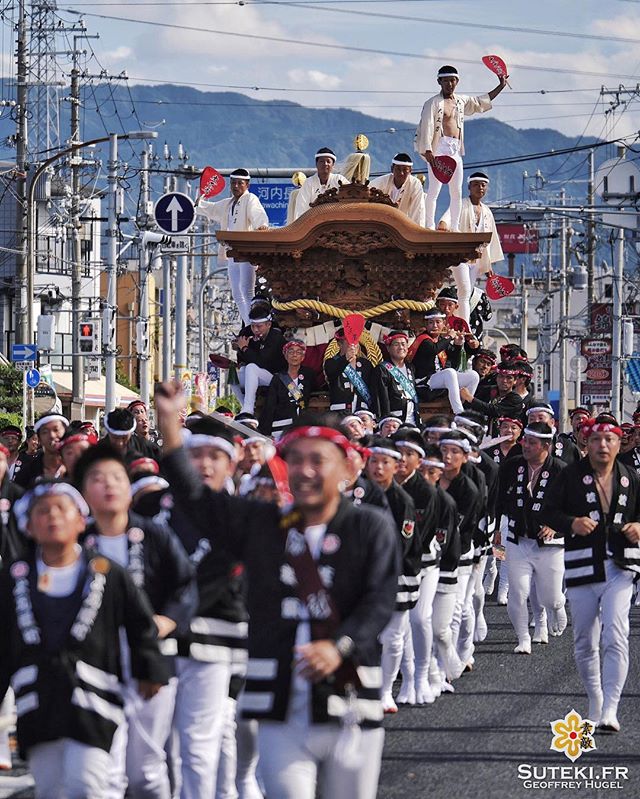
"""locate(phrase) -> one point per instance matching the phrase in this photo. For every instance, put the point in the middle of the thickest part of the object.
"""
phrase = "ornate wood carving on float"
(353, 251)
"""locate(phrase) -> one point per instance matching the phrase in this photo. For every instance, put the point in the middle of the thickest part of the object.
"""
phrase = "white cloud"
(315, 77)
(118, 54)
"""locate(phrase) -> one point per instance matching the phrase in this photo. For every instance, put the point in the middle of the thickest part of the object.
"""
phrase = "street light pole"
(616, 356)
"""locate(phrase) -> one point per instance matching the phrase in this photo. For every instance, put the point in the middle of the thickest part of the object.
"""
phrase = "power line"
(341, 47)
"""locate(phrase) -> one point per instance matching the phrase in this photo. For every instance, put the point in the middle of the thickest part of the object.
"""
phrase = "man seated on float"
(317, 184)
(436, 356)
(403, 188)
(350, 379)
(289, 391)
(398, 391)
(447, 302)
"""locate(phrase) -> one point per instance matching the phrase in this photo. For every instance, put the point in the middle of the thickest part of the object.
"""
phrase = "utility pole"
(110, 312)
(142, 327)
(616, 355)
(591, 236)
(182, 285)
(77, 362)
(22, 300)
(562, 326)
(524, 310)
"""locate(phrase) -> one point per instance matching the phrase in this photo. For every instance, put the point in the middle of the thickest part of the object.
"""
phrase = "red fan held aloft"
(498, 287)
(497, 66)
(353, 325)
(211, 183)
(443, 168)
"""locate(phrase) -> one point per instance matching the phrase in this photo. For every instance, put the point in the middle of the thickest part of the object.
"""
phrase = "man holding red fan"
(441, 133)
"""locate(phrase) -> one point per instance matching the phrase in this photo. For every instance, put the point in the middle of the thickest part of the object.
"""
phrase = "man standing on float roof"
(325, 178)
(241, 211)
(441, 132)
(403, 188)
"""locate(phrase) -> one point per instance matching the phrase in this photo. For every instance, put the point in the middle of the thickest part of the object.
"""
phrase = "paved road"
(468, 745)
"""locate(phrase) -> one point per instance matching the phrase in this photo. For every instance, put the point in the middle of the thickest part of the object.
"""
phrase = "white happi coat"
(410, 196)
(492, 253)
(311, 189)
(429, 131)
(245, 214)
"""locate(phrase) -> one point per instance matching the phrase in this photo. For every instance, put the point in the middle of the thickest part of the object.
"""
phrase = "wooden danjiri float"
(353, 251)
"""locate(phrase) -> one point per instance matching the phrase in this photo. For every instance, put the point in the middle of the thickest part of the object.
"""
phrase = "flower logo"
(572, 735)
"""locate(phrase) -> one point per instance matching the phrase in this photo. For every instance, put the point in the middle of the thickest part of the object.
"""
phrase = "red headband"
(512, 372)
(591, 426)
(389, 339)
(295, 343)
(327, 433)
(92, 438)
(512, 421)
(138, 462)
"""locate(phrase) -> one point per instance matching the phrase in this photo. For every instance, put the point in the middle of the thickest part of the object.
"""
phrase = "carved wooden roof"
(354, 248)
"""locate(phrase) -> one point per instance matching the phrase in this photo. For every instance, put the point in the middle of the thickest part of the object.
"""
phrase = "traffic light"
(89, 337)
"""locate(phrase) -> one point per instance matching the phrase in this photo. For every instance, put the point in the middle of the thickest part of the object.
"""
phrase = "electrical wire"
(342, 47)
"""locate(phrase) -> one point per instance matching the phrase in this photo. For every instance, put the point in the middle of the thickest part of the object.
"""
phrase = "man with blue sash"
(398, 393)
(350, 377)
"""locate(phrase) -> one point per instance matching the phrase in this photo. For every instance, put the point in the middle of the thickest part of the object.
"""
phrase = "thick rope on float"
(340, 313)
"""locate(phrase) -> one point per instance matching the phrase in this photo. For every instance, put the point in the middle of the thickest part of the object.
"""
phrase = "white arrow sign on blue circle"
(33, 378)
(174, 212)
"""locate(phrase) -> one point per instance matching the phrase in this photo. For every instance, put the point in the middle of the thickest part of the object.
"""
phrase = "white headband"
(349, 418)
(411, 445)
(53, 417)
(22, 506)
(402, 163)
(148, 480)
(268, 318)
(366, 413)
(429, 462)
(388, 419)
(463, 443)
(384, 451)
(239, 176)
(529, 432)
(471, 179)
(325, 155)
(203, 440)
(114, 432)
(253, 440)
(438, 429)
(448, 74)
(543, 409)
(468, 422)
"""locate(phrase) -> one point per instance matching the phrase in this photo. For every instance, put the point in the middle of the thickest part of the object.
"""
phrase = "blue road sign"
(24, 352)
(275, 199)
(174, 212)
(33, 378)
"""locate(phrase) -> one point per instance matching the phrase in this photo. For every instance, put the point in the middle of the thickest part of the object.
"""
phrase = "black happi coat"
(266, 352)
(280, 409)
(359, 565)
(73, 691)
(342, 395)
(424, 498)
(448, 537)
(523, 508)
(573, 494)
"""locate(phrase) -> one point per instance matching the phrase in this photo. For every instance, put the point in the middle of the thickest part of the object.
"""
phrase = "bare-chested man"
(441, 132)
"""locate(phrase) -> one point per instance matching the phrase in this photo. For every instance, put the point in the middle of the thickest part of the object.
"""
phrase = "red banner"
(518, 238)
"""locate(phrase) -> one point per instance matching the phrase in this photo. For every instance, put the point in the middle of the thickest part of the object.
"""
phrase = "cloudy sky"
(567, 49)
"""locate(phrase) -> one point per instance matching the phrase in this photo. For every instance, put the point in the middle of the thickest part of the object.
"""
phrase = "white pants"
(600, 612)
(453, 381)
(139, 746)
(392, 640)
(465, 276)
(477, 576)
(464, 617)
(420, 631)
(201, 699)
(444, 605)
(7, 712)
(528, 562)
(242, 277)
(228, 762)
(451, 147)
(503, 581)
(247, 741)
(251, 377)
(68, 769)
(293, 757)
